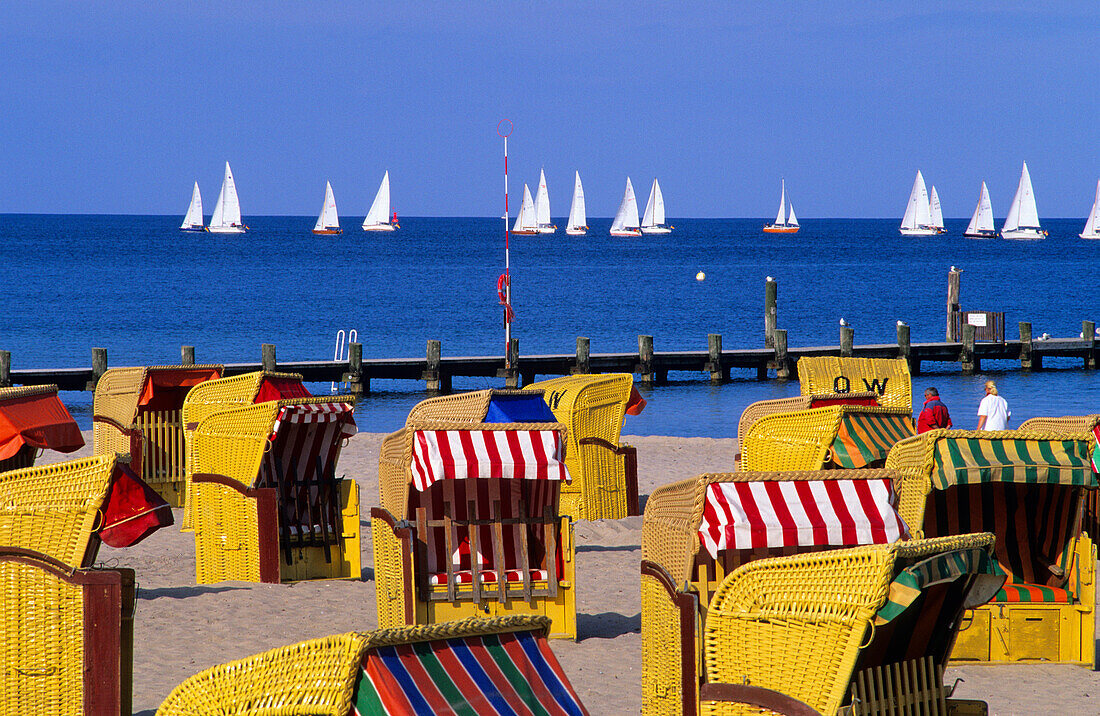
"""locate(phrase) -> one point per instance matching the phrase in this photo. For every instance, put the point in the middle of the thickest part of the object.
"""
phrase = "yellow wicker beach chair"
(832, 433)
(501, 665)
(1076, 425)
(137, 411)
(699, 534)
(886, 377)
(469, 522)
(33, 419)
(66, 639)
(605, 473)
(760, 408)
(266, 503)
(1030, 490)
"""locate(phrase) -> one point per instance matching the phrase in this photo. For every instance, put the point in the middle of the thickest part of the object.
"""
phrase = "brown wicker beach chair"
(1030, 490)
(32, 419)
(469, 522)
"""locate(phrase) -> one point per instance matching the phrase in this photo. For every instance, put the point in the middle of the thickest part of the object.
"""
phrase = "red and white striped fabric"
(318, 413)
(317, 435)
(471, 454)
(800, 513)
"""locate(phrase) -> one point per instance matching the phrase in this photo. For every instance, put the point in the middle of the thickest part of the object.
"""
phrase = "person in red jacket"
(934, 414)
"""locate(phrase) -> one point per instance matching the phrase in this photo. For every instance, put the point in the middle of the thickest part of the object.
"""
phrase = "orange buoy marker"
(700, 276)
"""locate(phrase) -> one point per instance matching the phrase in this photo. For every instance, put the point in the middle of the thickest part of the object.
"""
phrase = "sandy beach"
(181, 628)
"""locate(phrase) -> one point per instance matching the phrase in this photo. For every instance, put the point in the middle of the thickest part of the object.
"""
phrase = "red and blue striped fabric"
(471, 454)
(505, 674)
(1096, 450)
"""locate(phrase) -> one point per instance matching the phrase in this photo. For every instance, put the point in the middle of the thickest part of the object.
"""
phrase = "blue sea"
(139, 287)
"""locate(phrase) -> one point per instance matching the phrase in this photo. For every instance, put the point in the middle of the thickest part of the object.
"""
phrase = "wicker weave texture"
(389, 581)
(1066, 425)
(226, 534)
(460, 408)
(116, 397)
(830, 374)
(54, 508)
(26, 391)
(662, 665)
(760, 408)
(215, 395)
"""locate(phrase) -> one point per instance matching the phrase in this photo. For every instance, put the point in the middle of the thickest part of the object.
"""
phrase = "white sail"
(658, 204)
(626, 218)
(328, 219)
(1092, 225)
(982, 220)
(379, 212)
(934, 209)
(577, 216)
(1023, 212)
(917, 212)
(227, 212)
(526, 219)
(193, 220)
(792, 220)
(542, 202)
(649, 217)
(781, 217)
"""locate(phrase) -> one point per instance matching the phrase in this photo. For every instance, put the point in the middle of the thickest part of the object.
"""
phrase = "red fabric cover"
(133, 510)
(824, 402)
(162, 387)
(41, 421)
(280, 389)
(636, 403)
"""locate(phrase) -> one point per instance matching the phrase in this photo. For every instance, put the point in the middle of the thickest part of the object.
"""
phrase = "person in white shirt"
(993, 412)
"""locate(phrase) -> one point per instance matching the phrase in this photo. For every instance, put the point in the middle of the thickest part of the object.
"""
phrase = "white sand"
(181, 628)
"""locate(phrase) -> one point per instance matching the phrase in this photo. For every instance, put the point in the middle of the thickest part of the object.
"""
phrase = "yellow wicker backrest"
(591, 406)
(214, 395)
(232, 441)
(1068, 425)
(797, 440)
(912, 458)
(54, 508)
(460, 407)
(760, 408)
(116, 397)
(888, 377)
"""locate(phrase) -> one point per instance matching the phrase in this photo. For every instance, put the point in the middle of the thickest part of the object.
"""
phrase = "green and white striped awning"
(970, 461)
(944, 567)
(866, 438)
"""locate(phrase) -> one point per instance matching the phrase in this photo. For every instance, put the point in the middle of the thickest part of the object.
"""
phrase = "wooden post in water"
(847, 338)
(953, 277)
(267, 351)
(187, 355)
(1088, 333)
(905, 350)
(968, 362)
(771, 295)
(357, 382)
(511, 375)
(582, 365)
(431, 376)
(99, 366)
(5, 369)
(1025, 345)
(718, 375)
(645, 360)
(782, 363)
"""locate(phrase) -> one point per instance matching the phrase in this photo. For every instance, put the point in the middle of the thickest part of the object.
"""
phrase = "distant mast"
(193, 220)
(328, 222)
(227, 212)
(578, 219)
(379, 214)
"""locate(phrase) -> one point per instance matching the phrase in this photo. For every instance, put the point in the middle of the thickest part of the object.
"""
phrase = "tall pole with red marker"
(504, 283)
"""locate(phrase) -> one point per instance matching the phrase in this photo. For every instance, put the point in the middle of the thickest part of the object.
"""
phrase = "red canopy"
(39, 420)
(166, 389)
(274, 388)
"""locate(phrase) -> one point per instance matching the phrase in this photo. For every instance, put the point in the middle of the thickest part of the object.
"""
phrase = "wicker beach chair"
(474, 666)
(1030, 490)
(66, 637)
(713, 544)
(1076, 425)
(604, 472)
(266, 503)
(32, 419)
(469, 522)
(888, 378)
(137, 411)
(760, 408)
(834, 432)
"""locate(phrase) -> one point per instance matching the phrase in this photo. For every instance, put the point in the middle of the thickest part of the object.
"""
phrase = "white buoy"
(700, 276)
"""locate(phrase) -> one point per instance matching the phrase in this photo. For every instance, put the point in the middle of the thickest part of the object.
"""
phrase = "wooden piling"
(187, 355)
(1088, 334)
(953, 283)
(905, 350)
(432, 375)
(714, 359)
(267, 356)
(968, 361)
(583, 365)
(358, 383)
(645, 360)
(847, 339)
(99, 367)
(1025, 346)
(511, 374)
(771, 296)
(5, 369)
(782, 363)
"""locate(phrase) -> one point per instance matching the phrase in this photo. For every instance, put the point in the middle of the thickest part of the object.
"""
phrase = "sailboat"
(653, 220)
(1022, 221)
(525, 222)
(542, 207)
(626, 218)
(785, 221)
(227, 212)
(936, 212)
(328, 222)
(1092, 226)
(981, 224)
(378, 218)
(918, 213)
(193, 220)
(578, 221)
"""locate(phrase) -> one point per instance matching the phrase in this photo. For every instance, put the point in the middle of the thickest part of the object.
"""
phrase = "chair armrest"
(630, 470)
(757, 696)
(137, 440)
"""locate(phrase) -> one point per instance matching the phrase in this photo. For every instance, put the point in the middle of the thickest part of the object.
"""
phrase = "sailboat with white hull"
(626, 218)
(918, 212)
(981, 224)
(226, 218)
(785, 221)
(525, 223)
(653, 220)
(1092, 225)
(378, 217)
(1022, 221)
(542, 207)
(193, 220)
(578, 221)
(328, 221)
(936, 212)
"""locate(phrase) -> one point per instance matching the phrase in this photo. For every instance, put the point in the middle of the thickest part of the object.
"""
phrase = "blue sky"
(117, 107)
